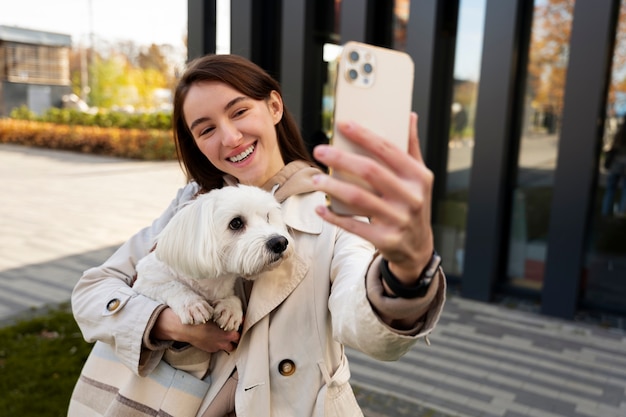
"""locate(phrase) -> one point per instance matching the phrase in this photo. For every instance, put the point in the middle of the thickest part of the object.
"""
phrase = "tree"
(618, 72)
(153, 58)
(124, 74)
(549, 55)
(108, 82)
(160, 58)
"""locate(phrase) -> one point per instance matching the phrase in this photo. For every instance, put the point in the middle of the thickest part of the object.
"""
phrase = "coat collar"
(299, 212)
(272, 288)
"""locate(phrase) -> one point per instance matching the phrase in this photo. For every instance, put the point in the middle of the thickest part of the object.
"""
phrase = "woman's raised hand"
(399, 207)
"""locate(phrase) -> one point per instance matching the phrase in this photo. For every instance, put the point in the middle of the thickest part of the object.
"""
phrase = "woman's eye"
(236, 223)
(240, 112)
(206, 131)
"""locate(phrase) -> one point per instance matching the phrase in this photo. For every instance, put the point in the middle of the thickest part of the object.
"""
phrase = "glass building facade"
(519, 102)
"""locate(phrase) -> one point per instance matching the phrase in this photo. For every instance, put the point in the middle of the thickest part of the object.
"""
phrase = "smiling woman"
(245, 110)
(231, 126)
(236, 133)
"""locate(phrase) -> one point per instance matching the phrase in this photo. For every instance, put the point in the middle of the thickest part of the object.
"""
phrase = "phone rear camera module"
(359, 67)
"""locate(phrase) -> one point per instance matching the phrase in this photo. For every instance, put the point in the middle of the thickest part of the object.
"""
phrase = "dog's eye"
(236, 223)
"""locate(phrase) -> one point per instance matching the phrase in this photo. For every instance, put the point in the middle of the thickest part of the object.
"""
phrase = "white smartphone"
(374, 88)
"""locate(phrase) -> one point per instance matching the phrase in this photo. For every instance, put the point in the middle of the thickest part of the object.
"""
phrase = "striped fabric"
(189, 359)
(108, 388)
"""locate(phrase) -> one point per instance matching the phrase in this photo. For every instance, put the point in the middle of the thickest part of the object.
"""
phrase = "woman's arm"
(367, 319)
(107, 309)
(398, 207)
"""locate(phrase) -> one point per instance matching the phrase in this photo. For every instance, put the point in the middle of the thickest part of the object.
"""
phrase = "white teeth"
(242, 155)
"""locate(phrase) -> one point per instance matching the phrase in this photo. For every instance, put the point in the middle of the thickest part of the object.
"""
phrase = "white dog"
(235, 231)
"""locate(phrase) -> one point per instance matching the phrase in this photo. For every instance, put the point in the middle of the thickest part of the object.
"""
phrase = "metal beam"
(499, 97)
(201, 27)
(241, 28)
(353, 21)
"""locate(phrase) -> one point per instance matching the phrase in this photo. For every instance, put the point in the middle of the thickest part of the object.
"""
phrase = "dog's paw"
(228, 313)
(197, 311)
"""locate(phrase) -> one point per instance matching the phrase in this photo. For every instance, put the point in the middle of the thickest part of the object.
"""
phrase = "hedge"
(145, 144)
(102, 118)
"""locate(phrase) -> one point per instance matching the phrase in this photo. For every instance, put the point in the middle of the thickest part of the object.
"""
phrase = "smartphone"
(374, 88)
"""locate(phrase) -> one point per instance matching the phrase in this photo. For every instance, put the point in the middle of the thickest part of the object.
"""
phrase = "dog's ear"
(187, 243)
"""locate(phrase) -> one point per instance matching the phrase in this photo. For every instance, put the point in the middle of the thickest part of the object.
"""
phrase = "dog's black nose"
(277, 244)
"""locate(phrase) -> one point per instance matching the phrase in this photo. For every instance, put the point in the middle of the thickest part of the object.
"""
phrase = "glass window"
(401, 11)
(532, 196)
(37, 64)
(604, 284)
(451, 216)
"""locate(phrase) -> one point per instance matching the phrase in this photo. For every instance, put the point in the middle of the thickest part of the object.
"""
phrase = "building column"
(586, 88)
(201, 28)
(498, 111)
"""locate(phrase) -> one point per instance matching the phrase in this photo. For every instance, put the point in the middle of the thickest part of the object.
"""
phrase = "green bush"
(158, 121)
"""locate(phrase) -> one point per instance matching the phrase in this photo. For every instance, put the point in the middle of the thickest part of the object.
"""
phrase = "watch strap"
(419, 289)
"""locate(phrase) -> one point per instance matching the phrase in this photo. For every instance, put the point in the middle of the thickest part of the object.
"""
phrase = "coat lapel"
(271, 289)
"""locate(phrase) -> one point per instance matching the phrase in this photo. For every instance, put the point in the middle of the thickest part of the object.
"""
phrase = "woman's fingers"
(394, 193)
(414, 142)
(383, 149)
(368, 172)
(359, 201)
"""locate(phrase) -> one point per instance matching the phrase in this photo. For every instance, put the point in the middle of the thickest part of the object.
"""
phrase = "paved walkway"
(61, 213)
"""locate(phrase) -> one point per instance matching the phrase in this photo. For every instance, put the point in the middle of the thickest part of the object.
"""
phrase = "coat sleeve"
(357, 303)
(107, 309)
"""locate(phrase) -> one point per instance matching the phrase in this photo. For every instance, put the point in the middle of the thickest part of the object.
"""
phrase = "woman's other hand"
(208, 336)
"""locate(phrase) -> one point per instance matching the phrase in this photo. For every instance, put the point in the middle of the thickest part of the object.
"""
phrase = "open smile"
(243, 155)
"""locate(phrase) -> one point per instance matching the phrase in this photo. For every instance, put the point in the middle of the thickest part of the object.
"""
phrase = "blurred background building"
(518, 102)
(34, 69)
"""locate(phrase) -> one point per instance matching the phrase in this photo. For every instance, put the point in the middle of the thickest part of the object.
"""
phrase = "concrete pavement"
(59, 206)
(62, 213)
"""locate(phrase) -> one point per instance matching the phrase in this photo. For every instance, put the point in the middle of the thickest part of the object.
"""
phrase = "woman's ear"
(275, 105)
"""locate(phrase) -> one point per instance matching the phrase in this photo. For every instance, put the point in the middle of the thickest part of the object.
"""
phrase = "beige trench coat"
(295, 316)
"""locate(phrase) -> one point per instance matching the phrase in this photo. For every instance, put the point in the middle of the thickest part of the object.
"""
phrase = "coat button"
(113, 304)
(286, 367)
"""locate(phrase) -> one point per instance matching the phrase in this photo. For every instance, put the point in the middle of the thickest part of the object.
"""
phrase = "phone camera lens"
(354, 56)
(367, 68)
(353, 74)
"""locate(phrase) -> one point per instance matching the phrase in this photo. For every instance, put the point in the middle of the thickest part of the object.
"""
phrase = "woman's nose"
(231, 136)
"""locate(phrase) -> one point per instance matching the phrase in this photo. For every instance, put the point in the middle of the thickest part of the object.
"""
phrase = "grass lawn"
(40, 360)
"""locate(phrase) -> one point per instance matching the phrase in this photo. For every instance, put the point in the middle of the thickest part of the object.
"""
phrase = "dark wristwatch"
(414, 291)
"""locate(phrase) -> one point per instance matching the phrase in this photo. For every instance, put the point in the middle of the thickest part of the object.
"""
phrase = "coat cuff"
(152, 350)
(404, 315)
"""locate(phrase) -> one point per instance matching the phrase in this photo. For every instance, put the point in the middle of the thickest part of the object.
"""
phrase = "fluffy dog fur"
(227, 233)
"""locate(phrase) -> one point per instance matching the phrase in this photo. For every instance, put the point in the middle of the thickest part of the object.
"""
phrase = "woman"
(231, 126)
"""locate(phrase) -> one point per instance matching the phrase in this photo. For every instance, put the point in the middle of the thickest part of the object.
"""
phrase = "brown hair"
(247, 78)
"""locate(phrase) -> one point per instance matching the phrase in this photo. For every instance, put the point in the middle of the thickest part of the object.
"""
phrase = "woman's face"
(235, 132)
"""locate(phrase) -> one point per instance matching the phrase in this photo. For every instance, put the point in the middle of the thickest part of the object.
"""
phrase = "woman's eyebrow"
(228, 105)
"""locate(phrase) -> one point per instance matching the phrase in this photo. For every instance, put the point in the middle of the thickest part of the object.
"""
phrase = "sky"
(165, 22)
(470, 39)
(142, 21)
